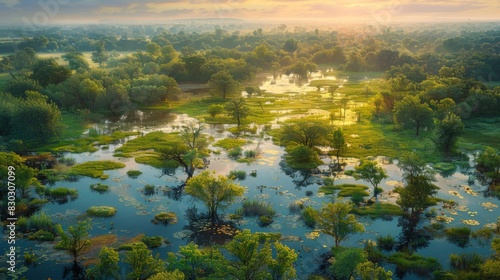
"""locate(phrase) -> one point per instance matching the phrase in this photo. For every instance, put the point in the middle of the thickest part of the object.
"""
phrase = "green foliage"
(42, 235)
(309, 216)
(305, 132)
(107, 266)
(152, 241)
(414, 263)
(101, 211)
(143, 264)
(264, 221)
(369, 171)
(193, 262)
(237, 174)
(296, 206)
(95, 169)
(458, 235)
(386, 242)
(338, 143)
(215, 109)
(238, 109)
(61, 193)
(134, 173)
(345, 190)
(412, 113)
(47, 71)
(41, 221)
(223, 83)
(334, 219)
(100, 188)
(378, 210)
(303, 157)
(76, 240)
(345, 262)
(149, 190)
(488, 162)
(215, 192)
(166, 217)
(471, 261)
(234, 153)
(448, 131)
(170, 275)
(255, 208)
(370, 271)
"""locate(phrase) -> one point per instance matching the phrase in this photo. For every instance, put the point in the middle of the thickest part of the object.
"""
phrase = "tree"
(215, 192)
(488, 162)
(107, 267)
(182, 154)
(222, 82)
(417, 194)
(99, 56)
(46, 71)
(238, 109)
(215, 109)
(76, 61)
(36, 119)
(369, 171)
(338, 143)
(251, 258)
(334, 220)
(77, 240)
(290, 46)
(25, 176)
(115, 99)
(143, 264)
(192, 135)
(166, 275)
(411, 113)
(309, 133)
(448, 131)
(18, 86)
(345, 261)
(370, 271)
(193, 262)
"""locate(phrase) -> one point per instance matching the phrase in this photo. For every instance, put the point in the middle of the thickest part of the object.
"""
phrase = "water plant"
(296, 206)
(386, 243)
(458, 235)
(265, 221)
(149, 190)
(254, 208)
(134, 173)
(309, 216)
(100, 188)
(41, 221)
(95, 169)
(42, 235)
(237, 174)
(101, 211)
(414, 263)
(470, 261)
(152, 241)
(165, 218)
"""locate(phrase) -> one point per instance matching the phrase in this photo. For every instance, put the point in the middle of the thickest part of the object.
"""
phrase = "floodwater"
(282, 186)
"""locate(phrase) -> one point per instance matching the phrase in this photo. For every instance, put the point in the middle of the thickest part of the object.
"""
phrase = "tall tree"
(183, 155)
(222, 82)
(143, 263)
(309, 133)
(370, 172)
(338, 143)
(76, 240)
(334, 219)
(238, 110)
(76, 61)
(488, 162)
(107, 266)
(46, 71)
(447, 131)
(215, 192)
(418, 192)
(412, 113)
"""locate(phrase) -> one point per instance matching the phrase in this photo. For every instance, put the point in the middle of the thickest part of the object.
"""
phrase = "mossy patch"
(165, 218)
(345, 190)
(101, 211)
(445, 166)
(152, 241)
(134, 173)
(95, 169)
(100, 188)
(42, 235)
(230, 143)
(378, 210)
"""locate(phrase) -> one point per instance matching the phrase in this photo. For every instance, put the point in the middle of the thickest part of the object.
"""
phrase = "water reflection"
(411, 237)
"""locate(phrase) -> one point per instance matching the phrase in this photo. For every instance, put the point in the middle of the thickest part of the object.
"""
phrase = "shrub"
(165, 218)
(22, 224)
(265, 221)
(471, 261)
(149, 190)
(234, 153)
(296, 206)
(357, 198)
(237, 174)
(414, 263)
(41, 221)
(134, 173)
(152, 241)
(386, 243)
(373, 252)
(131, 246)
(68, 161)
(256, 208)
(309, 216)
(100, 188)
(458, 235)
(101, 211)
(61, 193)
(30, 258)
(42, 235)
(250, 154)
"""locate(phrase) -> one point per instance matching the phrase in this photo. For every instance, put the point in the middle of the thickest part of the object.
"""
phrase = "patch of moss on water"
(415, 263)
(131, 246)
(42, 235)
(152, 241)
(134, 173)
(95, 169)
(165, 218)
(100, 188)
(378, 210)
(345, 190)
(445, 166)
(101, 211)
(61, 192)
(230, 143)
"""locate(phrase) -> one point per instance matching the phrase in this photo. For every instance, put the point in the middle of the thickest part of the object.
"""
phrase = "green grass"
(134, 173)
(101, 211)
(165, 218)
(479, 133)
(378, 210)
(414, 263)
(345, 189)
(100, 188)
(95, 169)
(230, 143)
(144, 148)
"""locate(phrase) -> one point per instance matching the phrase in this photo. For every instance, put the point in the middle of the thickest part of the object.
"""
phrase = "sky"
(45, 12)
